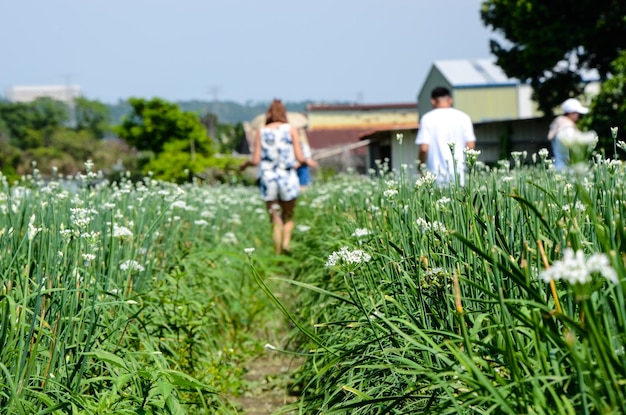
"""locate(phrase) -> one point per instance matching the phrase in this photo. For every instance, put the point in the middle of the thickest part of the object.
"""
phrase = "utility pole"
(69, 96)
(214, 90)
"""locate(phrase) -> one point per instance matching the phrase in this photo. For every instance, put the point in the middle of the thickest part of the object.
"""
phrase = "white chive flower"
(32, 229)
(344, 255)
(229, 238)
(131, 265)
(389, 193)
(121, 232)
(574, 268)
(88, 257)
(427, 179)
(434, 226)
(359, 232)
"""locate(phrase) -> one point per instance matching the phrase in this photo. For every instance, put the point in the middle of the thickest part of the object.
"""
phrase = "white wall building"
(29, 93)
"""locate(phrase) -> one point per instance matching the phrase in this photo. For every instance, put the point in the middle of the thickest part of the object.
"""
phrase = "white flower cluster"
(88, 257)
(471, 156)
(81, 217)
(303, 228)
(131, 265)
(389, 193)
(345, 255)
(359, 232)
(426, 226)
(426, 179)
(121, 232)
(32, 229)
(578, 206)
(576, 269)
(229, 238)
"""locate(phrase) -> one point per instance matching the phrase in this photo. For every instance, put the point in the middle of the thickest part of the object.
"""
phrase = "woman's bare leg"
(274, 210)
(288, 222)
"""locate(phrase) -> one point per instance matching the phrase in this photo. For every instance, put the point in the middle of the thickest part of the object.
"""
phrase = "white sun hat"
(573, 105)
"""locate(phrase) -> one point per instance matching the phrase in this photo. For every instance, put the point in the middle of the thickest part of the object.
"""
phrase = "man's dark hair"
(440, 92)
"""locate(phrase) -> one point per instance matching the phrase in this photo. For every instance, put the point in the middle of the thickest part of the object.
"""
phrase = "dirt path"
(268, 374)
(267, 377)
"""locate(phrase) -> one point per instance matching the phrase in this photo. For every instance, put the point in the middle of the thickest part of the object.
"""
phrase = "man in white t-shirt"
(438, 129)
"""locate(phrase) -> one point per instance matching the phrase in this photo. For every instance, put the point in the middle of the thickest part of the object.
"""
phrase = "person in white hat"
(564, 125)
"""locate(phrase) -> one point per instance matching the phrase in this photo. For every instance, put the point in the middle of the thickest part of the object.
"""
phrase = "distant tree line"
(228, 112)
(42, 132)
(151, 136)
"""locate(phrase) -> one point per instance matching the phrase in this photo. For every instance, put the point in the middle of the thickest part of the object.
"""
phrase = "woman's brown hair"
(276, 112)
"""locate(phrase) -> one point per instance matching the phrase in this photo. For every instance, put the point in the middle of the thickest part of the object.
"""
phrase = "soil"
(268, 374)
(267, 379)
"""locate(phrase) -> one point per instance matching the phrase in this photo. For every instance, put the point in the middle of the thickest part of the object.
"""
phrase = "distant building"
(335, 131)
(29, 93)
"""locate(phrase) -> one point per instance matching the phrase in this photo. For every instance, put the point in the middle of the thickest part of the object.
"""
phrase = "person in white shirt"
(561, 127)
(440, 128)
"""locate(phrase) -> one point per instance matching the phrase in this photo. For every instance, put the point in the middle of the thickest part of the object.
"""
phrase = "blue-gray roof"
(473, 72)
(484, 72)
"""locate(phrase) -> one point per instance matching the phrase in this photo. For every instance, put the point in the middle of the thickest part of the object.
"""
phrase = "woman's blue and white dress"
(279, 180)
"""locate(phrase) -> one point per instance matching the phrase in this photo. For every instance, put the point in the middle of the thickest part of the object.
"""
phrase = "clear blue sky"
(370, 51)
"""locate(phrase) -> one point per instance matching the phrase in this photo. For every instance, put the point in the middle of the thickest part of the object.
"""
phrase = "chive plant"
(125, 297)
(504, 295)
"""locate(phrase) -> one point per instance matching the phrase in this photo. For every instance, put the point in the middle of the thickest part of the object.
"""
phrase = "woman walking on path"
(277, 151)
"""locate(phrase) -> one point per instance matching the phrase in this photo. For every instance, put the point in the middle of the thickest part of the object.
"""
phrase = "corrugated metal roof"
(484, 72)
(473, 72)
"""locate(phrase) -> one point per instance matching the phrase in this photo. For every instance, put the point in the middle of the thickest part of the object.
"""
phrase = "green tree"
(608, 108)
(30, 125)
(538, 36)
(152, 124)
(226, 136)
(92, 116)
(48, 114)
(179, 161)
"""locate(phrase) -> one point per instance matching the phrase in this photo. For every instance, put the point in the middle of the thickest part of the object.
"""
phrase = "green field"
(502, 296)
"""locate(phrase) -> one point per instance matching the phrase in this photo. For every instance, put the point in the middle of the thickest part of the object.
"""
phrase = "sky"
(363, 51)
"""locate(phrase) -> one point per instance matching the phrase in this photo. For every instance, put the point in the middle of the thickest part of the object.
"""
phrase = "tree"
(152, 124)
(30, 125)
(548, 43)
(92, 116)
(179, 161)
(608, 108)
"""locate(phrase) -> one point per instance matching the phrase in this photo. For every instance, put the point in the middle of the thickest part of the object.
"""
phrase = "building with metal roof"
(481, 89)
